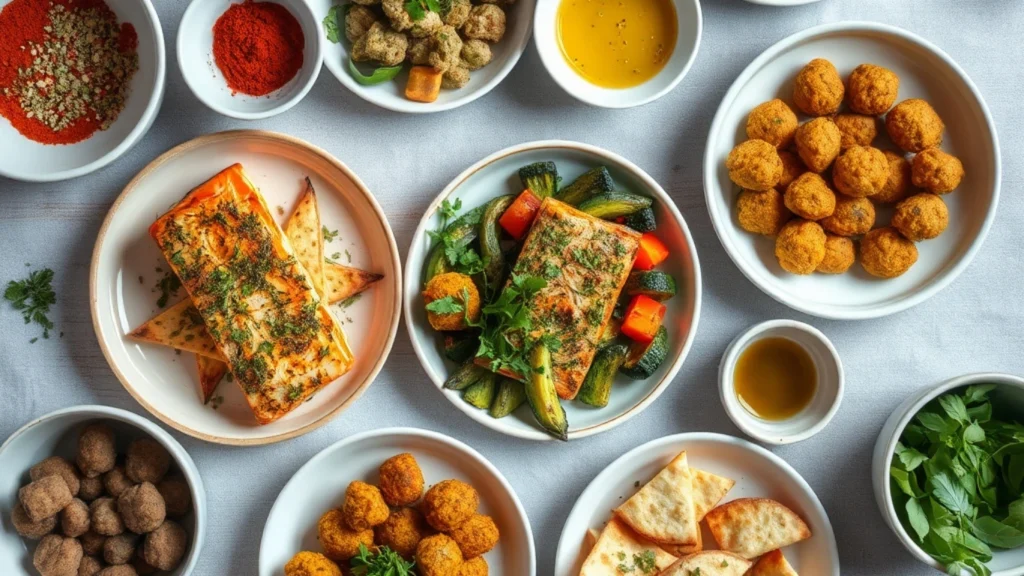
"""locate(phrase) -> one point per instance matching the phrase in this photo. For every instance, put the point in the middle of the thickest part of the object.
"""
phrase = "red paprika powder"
(257, 46)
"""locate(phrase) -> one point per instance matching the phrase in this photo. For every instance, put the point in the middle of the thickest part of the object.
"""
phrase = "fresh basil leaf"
(978, 393)
(995, 533)
(974, 434)
(378, 76)
(951, 494)
(332, 24)
(912, 458)
(954, 407)
(990, 496)
(918, 519)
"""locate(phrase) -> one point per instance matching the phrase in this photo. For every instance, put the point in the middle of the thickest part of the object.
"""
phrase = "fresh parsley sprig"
(381, 562)
(33, 297)
(506, 327)
(418, 9)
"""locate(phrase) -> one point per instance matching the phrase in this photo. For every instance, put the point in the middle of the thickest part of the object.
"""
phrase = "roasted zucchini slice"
(540, 393)
(594, 181)
(510, 396)
(644, 359)
(462, 231)
(597, 386)
(490, 243)
(481, 393)
(651, 283)
(642, 220)
(611, 205)
(541, 178)
(460, 347)
(467, 375)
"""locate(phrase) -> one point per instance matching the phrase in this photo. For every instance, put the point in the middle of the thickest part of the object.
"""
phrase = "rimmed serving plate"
(758, 474)
(123, 275)
(926, 72)
(497, 175)
(320, 485)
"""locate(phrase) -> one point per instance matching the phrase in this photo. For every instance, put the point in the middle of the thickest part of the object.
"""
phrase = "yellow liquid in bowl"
(775, 378)
(617, 43)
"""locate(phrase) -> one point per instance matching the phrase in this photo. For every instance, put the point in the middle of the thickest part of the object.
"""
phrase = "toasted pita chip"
(772, 564)
(345, 282)
(680, 551)
(589, 540)
(708, 491)
(711, 563)
(304, 234)
(180, 326)
(617, 545)
(662, 511)
(753, 526)
(211, 372)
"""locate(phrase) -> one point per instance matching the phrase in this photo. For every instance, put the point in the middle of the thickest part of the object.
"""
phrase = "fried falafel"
(457, 286)
(852, 216)
(818, 143)
(340, 543)
(754, 165)
(402, 531)
(840, 255)
(401, 480)
(774, 122)
(810, 197)
(364, 507)
(800, 247)
(438, 555)
(792, 167)
(885, 253)
(936, 171)
(818, 89)
(856, 130)
(914, 125)
(476, 536)
(311, 564)
(762, 212)
(872, 89)
(921, 217)
(861, 171)
(898, 185)
(449, 503)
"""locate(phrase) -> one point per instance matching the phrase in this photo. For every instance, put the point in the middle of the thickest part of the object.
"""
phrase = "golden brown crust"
(872, 89)
(886, 254)
(921, 217)
(774, 122)
(762, 212)
(861, 172)
(818, 143)
(914, 125)
(754, 165)
(800, 247)
(810, 197)
(818, 89)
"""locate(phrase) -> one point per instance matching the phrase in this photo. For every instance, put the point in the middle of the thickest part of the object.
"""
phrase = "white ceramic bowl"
(827, 397)
(496, 175)
(691, 24)
(758, 474)
(926, 72)
(320, 485)
(1007, 397)
(57, 434)
(391, 94)
(204, 78)
(23, 159)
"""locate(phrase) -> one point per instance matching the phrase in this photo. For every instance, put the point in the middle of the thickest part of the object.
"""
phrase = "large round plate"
(320, 485)
(123, 275)
(497, 175)
(758, 474)
(925, 72)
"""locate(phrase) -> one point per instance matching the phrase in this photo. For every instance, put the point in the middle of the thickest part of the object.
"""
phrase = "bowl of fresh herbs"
(948, 475)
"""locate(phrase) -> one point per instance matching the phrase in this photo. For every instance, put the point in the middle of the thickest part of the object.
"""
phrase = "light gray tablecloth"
(974, 325)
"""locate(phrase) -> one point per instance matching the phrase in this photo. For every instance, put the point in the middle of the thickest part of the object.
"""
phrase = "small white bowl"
(57, 434)
(204, 78)
(1008, 395)
(827, 396)
(545, 26)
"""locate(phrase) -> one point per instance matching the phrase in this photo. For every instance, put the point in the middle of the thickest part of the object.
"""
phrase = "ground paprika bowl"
(204, 78)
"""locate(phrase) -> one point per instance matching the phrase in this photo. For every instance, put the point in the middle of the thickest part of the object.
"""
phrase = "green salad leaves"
(957, 477)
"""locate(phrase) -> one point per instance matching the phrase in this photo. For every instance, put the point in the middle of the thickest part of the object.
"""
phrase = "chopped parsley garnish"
(506, 325)
(418, 9)
(33, 297)
(337, 255)
(348, 256)
(168, 286)
(644, 563)
(350, 300)
(329, 235)
(446, 305)
(382, 561)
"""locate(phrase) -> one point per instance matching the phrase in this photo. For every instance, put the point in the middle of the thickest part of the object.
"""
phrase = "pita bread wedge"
(680, 551)
(307, 240)
(211, 372)
(751, 527)
(772, 564)
(708, 491)
(710, 563)
(345, 282)
(180, 326)
(662, 511)
(618, 545)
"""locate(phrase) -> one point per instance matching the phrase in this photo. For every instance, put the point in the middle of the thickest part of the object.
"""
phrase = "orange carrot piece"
(424, 84)
(651, 253)
(643, 318)
(519, 216)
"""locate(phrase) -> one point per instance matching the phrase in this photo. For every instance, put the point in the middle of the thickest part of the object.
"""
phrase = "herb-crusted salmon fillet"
(585, 262)
(258, 303)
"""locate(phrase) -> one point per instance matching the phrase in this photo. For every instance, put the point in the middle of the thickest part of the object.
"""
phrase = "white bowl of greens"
(948, 473)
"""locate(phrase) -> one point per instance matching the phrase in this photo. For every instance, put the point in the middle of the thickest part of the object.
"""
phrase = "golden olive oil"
(775, 378)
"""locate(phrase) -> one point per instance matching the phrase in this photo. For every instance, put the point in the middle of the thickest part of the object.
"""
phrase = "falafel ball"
(477, 536)
(810, 197)
(438, 555)
(92, 543)
(165, 546)
(28, 528)
(340, 544)
(358, 20)
(449, 503)
(419, 49)
(455, 77)
(856, 129)
(818, 143)
(147, 461)
(120, 549)
(89, 566)
(818, 90)
(119, 570)
(754, 165)
(103, 517)
(885, 253)
(792, 167)
(116, 481)
(485, 22)
(426, 26)
(840, 254)
(861, 171)
(74, 519)
(90, 488)
(140, 564)
(396, 13)
(176, 494)
(474, 567)
(96, 450)
(457, 14)
(44, 497)
(800, 247)
(55, 465)
(898, 185)
(57, 556)
(476, 54)
(384, 45)
(914, 125)
(762, 212)
(937, 171)
(311, 564)
(402, 531)
(445, 48)
(872, 89)
(456, 286)
(364, 507)
(774, 122)
(142, 508)
(852, 216)
(401, 480)
(921, 217)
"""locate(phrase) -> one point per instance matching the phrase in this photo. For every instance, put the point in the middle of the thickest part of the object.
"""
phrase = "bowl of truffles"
(98, 491)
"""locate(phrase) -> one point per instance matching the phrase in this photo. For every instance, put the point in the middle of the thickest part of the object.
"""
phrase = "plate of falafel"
(852, 170)
(411, 501)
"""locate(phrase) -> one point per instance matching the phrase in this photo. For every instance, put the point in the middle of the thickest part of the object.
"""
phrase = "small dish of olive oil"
(775, 378)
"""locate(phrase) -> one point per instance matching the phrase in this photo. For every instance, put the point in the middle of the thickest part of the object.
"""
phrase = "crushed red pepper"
(257, 46)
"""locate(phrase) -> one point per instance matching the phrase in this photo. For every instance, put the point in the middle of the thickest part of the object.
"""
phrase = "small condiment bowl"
(545, 35)
(828, 393)
(204, 78)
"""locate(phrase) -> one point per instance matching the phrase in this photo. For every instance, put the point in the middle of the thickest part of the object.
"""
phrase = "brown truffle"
(401, 480)
(119, 570)
(116, 481)
(74, 518)
(104, 517)
(28, 528)
(44, 497)
(96, 450)
(165, 546)
(57, 466)
(147, 461)
(176, 494)
(92, 543)
(140, 565)
(90, 488)
(120, 549)
(57, 556)
(142, 508)
(89, 566)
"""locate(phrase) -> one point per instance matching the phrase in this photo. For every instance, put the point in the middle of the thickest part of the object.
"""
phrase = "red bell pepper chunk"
(651, 253)
(518, 217)
(643, 318)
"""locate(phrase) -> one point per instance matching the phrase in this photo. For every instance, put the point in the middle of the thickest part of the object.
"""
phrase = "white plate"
(391, 95)
(497, 175)
(320, 485)
(165, 383)
(23, 159)
(925, 72)
(758, 474)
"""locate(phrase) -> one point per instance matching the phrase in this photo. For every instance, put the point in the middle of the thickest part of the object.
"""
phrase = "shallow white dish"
(827, 396)
(691, 24)
(925, 72)
(23, 159)
(1008, 397)
(165, 382)
(497, 175)
(204, 78)
(391, 94)
(758, 474)
(57, 434)
(320, 485)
